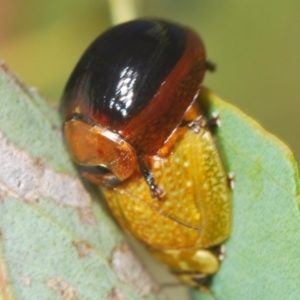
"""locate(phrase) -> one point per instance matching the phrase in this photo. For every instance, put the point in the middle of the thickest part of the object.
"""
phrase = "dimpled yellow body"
(194, 216)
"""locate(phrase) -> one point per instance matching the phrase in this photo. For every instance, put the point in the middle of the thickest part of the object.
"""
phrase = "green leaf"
(263, 252)
(57, 241)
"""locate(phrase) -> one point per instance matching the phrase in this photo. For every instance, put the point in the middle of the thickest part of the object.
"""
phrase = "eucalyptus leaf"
(57, 240)
(263, 252)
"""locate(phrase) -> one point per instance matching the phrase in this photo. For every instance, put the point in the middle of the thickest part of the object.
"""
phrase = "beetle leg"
(210, 66)
(231, 180)
(200, 281)
(196, 125)
(222, 252)
(156, 192)
(201, 122)
(99, 175)
(215, 121)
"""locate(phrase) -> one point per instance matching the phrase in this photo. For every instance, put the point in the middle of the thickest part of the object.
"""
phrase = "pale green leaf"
(55, 244)
(56, 241)
(263, 252)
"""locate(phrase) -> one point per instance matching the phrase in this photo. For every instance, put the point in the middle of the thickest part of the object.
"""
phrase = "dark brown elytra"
(138, 79)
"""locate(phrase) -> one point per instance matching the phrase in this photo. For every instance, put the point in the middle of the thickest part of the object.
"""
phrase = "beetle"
(134, 125)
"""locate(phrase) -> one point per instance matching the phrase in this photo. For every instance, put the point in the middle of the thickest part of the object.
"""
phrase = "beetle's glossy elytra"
(129, 79)
(132, 123)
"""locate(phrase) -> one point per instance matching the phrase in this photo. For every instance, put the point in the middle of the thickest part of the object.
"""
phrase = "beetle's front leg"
(196, 125)
(156, 191)
(201, 123)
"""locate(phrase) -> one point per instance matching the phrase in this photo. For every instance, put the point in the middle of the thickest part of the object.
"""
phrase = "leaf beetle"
(133, 125)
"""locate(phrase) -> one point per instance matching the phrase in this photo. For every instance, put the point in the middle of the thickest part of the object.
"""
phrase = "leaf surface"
(263, 252)
(57, 241)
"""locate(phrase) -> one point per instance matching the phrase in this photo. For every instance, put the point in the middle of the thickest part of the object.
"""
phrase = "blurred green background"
(256, 45)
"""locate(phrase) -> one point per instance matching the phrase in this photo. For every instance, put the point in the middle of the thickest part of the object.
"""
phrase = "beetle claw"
(157, 192)
(210, 66)
(197, 125)
(215, 120)
(222, 252)
(231, 180)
